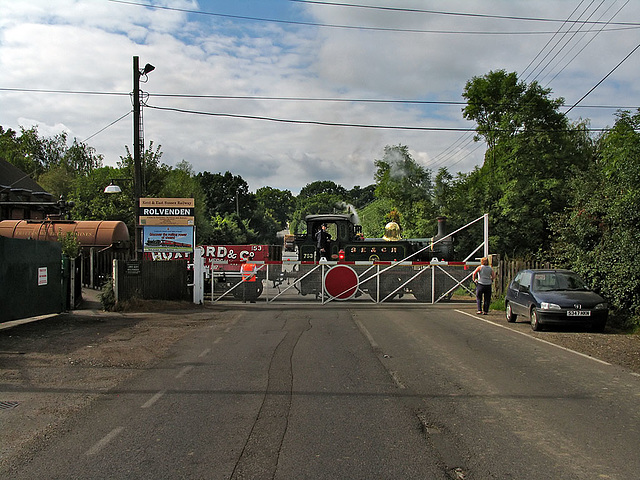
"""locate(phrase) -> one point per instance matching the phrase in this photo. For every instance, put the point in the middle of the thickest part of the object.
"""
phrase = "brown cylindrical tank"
(90, 233)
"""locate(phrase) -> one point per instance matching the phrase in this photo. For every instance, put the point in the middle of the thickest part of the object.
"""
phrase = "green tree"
(91, 203)
(598, 234)
(373, 217)
(323, 187)
(362, 196)
(318, 198)
(502, 106)
(81, 158)
(24, 151)
(229, 231)
(49, 161)
(181, 182)
(532, 153)
(408, 186)
(152, 170)
(278, 204)
(227, 194)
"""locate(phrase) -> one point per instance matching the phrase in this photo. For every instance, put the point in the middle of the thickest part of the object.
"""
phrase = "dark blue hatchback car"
(555, 297)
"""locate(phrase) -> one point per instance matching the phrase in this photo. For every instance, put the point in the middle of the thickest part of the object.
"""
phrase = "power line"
(583, 47)
(310, 122)
(311, 99)
(548, 42)
(104, 128)
(603, 79)
(348, 27)
(328, 124)
(561, 37)
(286, 99)
(564, 34)
(73, 92)
(454, 14)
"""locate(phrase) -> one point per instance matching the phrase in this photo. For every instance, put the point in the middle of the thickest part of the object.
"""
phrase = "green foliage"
(226, 194)
(264, 227)
(92, 204)
(49, 161)
(229, 231)
(70, 244)
(153, 172)
(502, 106)
(323, 187)
(360, 197)
(108, 296)
(180, 182)
(278, 204)
(408, 186)
(598, 233)
(533, 152)
(373, 217)
(318, 198)
(324, 202)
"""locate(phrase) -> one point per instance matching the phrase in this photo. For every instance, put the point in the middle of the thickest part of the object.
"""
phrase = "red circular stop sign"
(341, 282)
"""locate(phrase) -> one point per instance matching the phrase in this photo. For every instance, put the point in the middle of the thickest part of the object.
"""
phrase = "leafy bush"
(70, 244)
(108, 296)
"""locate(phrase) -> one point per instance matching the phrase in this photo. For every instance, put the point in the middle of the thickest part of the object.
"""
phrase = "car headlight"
(549, 306)
(602, 306)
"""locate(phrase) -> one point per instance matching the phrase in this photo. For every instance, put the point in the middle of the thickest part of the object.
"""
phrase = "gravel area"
(56, 366)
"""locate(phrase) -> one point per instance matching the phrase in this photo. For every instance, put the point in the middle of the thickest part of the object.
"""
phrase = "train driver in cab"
(323, 243)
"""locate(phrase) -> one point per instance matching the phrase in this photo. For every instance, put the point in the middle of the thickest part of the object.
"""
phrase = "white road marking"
(184, 371)
(104, 441)
(204, 353)
(153, 399)
(476, 317)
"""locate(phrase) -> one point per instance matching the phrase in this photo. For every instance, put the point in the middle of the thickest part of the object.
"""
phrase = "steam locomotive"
(348, 244)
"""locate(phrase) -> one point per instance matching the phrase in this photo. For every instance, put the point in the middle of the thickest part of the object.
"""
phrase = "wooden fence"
(507, 269)
(151, 280)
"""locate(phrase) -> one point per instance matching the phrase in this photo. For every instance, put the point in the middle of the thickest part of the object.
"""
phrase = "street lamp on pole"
(137, 142)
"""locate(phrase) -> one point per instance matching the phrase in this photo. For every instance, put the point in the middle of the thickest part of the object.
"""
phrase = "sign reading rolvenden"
(166, 211)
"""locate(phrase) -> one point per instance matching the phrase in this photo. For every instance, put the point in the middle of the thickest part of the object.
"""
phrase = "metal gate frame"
(200, 271)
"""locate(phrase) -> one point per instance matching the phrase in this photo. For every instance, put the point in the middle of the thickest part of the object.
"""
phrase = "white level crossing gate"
(292, 280)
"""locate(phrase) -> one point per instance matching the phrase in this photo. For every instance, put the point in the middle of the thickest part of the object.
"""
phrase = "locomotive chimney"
(442, 227)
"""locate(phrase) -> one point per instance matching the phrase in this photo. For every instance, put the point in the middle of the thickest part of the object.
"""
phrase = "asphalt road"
(356, 391)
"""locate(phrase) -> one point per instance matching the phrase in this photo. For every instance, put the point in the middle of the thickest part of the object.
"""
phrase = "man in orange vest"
(249, 271)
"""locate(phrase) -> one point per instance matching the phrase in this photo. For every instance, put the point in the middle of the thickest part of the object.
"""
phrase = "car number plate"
(578, 313)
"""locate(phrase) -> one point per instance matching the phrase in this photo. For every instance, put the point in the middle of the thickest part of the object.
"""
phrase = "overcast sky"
(256, 82)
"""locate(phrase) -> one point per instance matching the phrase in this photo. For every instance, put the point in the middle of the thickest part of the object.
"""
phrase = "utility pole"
(137, 170)
(138, 146)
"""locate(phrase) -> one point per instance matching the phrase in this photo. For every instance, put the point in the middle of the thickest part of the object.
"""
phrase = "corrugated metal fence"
(31, 280)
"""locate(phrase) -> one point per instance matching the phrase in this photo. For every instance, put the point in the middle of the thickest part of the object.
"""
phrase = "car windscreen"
(547, 281)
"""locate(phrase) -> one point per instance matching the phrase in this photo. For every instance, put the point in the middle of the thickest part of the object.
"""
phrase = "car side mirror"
(523, 288)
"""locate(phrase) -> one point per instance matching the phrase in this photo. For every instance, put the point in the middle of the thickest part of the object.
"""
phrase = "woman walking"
(484, 276)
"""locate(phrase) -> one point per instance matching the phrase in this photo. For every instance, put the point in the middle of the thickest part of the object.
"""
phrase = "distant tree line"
(553, 191)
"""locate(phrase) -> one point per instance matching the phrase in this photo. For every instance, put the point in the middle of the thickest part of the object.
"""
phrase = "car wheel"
(535, 322)
(511, 317)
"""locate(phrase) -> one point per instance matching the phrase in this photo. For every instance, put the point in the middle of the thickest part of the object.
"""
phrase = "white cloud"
(88, 45)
